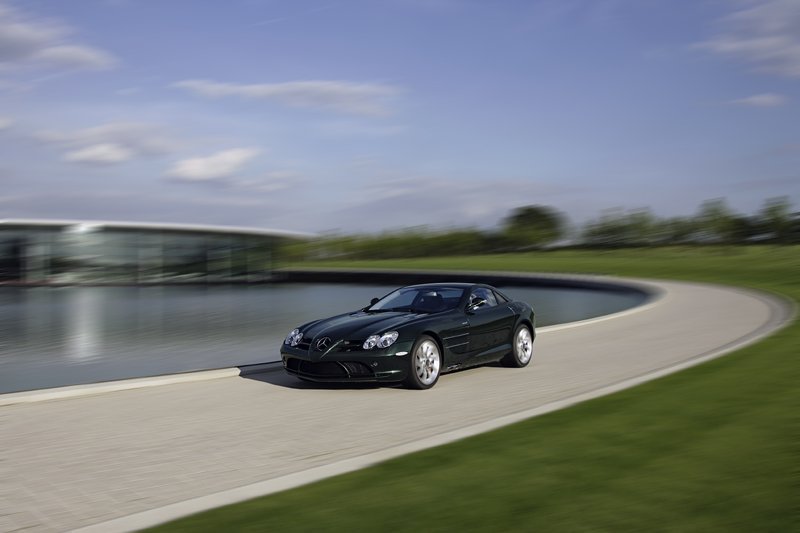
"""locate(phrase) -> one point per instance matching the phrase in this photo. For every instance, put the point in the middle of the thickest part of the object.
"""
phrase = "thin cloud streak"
(75, 56)
(368, 99)
(761, 100)
(764, 34)
(29, 42)
(100, 154)
(111, 143)
(444, 201)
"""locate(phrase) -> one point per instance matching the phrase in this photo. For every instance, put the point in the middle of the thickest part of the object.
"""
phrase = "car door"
(489, 327)
(454, 332)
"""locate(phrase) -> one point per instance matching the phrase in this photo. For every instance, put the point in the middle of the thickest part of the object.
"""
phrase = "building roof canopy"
(100, 225)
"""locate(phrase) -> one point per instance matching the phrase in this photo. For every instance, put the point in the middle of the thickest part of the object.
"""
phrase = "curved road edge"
(782, 312)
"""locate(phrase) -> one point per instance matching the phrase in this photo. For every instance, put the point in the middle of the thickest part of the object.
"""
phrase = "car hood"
(359, 325)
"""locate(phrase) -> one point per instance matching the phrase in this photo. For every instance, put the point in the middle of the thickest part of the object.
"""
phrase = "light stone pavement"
(76, 462)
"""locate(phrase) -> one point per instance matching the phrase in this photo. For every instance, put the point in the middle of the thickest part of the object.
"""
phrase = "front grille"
(329, 369)
(357, 370)
(326, 369)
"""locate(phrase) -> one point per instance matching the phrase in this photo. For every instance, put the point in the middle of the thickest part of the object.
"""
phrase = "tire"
(521, 348)
(424, 364)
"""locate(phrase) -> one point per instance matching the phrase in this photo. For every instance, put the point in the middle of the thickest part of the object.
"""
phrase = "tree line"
(714, 223)
(536, 227)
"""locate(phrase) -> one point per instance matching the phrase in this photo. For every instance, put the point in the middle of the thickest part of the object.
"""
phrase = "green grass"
(712, 448)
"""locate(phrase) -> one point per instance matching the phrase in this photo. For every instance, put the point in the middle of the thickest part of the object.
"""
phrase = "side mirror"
(475, 304)
(374, 301)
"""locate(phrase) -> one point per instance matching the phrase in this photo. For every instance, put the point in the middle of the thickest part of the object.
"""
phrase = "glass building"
(73, 252)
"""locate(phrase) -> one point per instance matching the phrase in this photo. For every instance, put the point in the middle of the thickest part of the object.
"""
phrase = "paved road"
(72, 463)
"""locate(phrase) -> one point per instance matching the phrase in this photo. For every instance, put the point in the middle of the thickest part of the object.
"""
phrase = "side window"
(483, 294)
(500, 298)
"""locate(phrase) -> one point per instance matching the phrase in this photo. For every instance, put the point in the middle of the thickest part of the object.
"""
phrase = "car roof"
(455, 285)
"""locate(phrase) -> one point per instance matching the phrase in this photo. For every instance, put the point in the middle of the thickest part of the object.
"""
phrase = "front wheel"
(521, 348)
(425, 364)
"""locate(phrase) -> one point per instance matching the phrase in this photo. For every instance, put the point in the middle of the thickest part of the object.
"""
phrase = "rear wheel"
(521, 348)
(425, 364)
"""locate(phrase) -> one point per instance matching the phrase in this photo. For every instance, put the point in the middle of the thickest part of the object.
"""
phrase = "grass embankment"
(712, 448)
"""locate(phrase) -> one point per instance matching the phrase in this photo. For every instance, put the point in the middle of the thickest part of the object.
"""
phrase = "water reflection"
(58, 336)
(84, 325)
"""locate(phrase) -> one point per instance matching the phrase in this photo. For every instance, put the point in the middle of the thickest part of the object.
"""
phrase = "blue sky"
(365, 115)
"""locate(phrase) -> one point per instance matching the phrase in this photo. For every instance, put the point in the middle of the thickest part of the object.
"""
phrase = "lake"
(52, 337)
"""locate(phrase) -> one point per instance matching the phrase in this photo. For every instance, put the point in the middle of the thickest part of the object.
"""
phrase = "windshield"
(420, 300)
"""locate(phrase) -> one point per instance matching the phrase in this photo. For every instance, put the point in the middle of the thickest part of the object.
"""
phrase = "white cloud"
(115, 142)
(20, 38)
(101, 154)
(28, 41)
(216, 167)
(761, 100)
(75, 56)
(765, 34)
(369, 99)
(5, 123)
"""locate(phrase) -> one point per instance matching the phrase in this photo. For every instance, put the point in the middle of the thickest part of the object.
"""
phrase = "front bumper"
(348, 366)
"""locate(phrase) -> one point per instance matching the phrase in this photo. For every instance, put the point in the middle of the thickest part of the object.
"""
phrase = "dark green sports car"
(412, 335)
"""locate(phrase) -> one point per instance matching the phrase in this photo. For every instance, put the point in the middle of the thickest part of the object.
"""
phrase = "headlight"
(293, 338)
(387, 339)
(371, 342)
(381, 341)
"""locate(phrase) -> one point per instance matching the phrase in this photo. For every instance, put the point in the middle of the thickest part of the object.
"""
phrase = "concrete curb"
(76, 391)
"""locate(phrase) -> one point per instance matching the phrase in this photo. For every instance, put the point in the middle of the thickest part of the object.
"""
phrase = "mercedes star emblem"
(323, 344)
